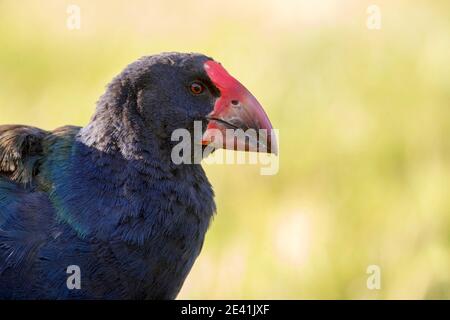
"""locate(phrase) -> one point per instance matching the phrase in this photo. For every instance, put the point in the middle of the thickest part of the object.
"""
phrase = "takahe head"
(170, 91)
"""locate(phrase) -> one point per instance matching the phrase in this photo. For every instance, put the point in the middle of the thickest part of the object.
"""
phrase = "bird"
(108, 197)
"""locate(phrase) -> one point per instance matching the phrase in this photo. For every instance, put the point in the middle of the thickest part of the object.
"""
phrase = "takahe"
(108, 198)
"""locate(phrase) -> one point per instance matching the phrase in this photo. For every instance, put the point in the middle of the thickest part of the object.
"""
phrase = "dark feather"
(20, 152)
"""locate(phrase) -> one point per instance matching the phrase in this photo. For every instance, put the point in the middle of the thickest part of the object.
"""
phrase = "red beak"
(238, 121)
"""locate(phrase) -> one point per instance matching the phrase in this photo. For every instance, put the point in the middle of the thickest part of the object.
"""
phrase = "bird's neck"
(124, 134)
(126, 177)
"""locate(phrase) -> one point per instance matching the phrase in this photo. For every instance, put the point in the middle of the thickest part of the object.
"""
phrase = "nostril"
(234, 102)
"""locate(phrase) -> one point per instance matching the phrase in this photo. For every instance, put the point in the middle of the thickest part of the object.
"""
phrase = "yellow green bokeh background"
(363, 115)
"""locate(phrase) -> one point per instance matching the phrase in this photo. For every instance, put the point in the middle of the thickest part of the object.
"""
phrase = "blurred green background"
(364, 120)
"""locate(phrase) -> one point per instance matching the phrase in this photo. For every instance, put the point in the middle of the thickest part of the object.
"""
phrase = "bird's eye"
(197, 88)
